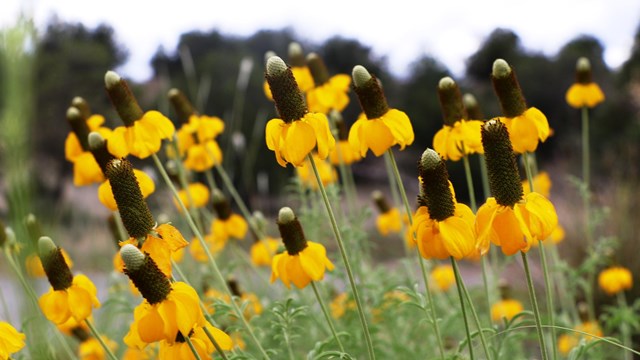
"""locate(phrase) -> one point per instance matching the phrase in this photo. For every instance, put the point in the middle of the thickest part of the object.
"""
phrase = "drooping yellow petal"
(325, 140)
(79, 303)
(55, 306)
(117, 144)
(86, 170)
(151, 327)
(484, 225)
(458, 237)
(299, 140)
(355, 138)
(377, 136)
(400, 126)
(542, 215)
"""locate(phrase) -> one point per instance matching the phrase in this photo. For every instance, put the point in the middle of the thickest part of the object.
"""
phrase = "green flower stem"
(534, 304)
(586, 204)
(97, 335)
(459, 279)
(394, 183)
(345, 259)
(120, 225)
(211, 181)
(193, 349)
(397, 180)
(484, 175)
(624, 328)
(464, 311)
(545, 268)
(212, 262)
(215, 343)
(327, 316)
(474, 208)
(34, 299)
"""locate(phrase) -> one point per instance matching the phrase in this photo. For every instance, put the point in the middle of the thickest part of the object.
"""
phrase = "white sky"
(402, 30)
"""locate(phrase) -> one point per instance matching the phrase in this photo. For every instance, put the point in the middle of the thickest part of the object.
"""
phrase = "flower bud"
(122, 98)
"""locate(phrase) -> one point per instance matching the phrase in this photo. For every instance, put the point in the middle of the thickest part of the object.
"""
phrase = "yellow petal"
(55, 306)
(400, 126)
(79, 303)
(457, 236)
(151, 326)
(299, 140)
(116, 143)
(325, 140)
(542, 215)
(377, 136)
(355, 139)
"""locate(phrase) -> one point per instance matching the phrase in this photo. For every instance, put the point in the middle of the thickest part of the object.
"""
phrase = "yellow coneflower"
(379, 127)
(343, 153)
(526, 125)
(304, 260)
(509, 219)
(179, 349)
(297, 132)
(299, 69)
(444, 277)
(328, 174)
(11, 340)
(69, 296)
(142, 133)
(507, 307)
(196, 192)
(263, 250)
(615, 279)
(458, 136)
(584, 92)
(389, 220)
(227, 224)
(328, 93)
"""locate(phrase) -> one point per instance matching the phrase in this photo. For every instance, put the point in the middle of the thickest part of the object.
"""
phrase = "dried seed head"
(181, 104)
(122, 98)
(318, 69)
(450, 101)
(145, 274)
(54, 265)
(220, 204)
(369, 91)
(435, 192)
(583, 71)
(284, 88)
(502, 169)
(98, 147)
(291, 231)
(507, 88)
(135, 213)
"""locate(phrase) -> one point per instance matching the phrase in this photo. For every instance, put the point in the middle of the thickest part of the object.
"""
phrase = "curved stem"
(193, 349)
(98, 337)
(534, 304)
(345, 259)
(215, 343)
(624, 328)
(212, 262)
(327, 316)
(425, 278)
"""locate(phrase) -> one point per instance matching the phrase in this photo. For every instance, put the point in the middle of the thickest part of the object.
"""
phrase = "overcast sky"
(401, 30)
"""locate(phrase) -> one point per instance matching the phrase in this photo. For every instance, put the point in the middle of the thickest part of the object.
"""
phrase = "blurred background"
(53, 51)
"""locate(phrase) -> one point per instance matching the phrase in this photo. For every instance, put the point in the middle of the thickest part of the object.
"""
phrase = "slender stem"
(534, 304)
(394, 183)
(474, 208)
(398, 181)
(586, 204)
(464, 312)
(193, 349)
(327, 316)
(345, 259)
(474, 314)
(484, 176)
(212, 262)
(97, 335)
(545, 268)
(211, 181)
(34, 299)
(624, 328)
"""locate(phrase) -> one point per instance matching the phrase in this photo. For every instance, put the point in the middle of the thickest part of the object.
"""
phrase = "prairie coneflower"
(444, 277)
(158, 241)
(566, 342)
(11, 340)
(198, 193)
(507, 307)
(584, 92)
(615, 279)
(167, 309)
(509, 219)
(304, 260)
(69, 296)
(389, 220)
(379, 127)
(443, 227)
(226, 224)
(299, 69)
(142, 133)
(263, 250)
(179, 349)
(459, 136)
(76, 148)
(327, 172)
(297, 132)
(197, 136)
(328, 93)
(527, 126)
(343, 153)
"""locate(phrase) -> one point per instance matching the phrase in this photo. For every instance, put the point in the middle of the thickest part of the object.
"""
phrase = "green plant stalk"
(210, 180)
(474, 208)
(545, 269)
(326, 315)
(212, 262)
(193, 349)
(34, 299)
(484, 176)
(397, 180)
(215, 343)
(345, 259)
(464, 311)
(586, 204)
(534, 304)
(624, 328)
(97, 335)
(483, 340)
(349, 193)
